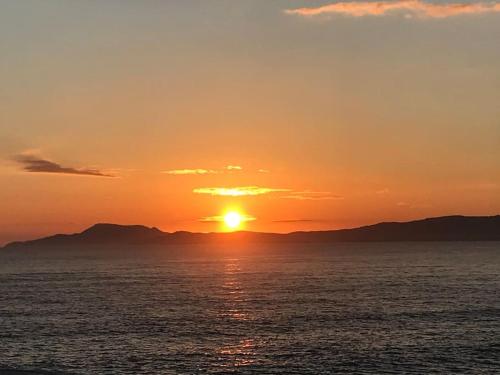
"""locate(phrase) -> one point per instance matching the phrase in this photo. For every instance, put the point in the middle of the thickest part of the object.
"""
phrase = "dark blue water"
(305, 309)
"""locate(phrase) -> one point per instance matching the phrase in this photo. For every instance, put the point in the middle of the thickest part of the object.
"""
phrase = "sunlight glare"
(233, 219)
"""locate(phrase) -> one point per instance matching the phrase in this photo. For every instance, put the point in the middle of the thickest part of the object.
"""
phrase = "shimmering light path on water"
(303, 309)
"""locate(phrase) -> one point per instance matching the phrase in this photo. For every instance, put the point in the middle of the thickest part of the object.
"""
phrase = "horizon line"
(252, 232)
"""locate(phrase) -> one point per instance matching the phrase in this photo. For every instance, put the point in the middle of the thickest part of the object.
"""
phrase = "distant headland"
(446, 228)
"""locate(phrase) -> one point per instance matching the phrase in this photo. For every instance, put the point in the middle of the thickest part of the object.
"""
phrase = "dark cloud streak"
(34, 164)
(297, 221)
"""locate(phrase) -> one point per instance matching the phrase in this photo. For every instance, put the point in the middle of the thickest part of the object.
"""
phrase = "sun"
(233, 219)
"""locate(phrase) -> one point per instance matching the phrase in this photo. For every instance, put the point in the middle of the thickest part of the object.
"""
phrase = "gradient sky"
(337, 115)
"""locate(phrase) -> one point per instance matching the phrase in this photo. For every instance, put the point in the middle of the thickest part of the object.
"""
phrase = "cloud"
(382, 191)
(34, 164)
(201, 171)
(312, 195)
(220, 218)
(409, 8)
(296, 221)
(413, 205)
(238, 191)
(258, 190)
(190, 171)
(233, 168)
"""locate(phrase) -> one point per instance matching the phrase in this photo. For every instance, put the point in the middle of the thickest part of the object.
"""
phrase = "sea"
(343, 308)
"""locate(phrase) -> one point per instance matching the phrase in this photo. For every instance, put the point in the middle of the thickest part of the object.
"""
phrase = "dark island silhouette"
(446, 228)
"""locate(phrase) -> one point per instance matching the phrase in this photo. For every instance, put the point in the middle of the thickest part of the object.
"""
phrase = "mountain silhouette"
(446, 228)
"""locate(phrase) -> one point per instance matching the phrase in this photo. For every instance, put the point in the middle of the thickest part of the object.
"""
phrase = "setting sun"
(233, 219)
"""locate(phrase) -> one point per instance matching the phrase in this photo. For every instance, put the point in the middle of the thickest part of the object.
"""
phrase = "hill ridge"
(443, 228)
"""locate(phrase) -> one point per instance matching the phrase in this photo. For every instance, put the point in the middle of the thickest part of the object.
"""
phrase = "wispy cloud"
(413, 205)
(409, 8)
(312, 195)
(220, 218)
(237, 191)
(201, 171)
(190, 171)
(233, 168)
(241, 191)
(296, 221)
(35, 164)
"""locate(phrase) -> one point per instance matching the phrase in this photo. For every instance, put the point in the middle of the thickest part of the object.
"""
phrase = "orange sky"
(316, 119)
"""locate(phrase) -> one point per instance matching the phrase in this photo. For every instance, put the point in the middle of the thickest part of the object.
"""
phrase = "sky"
(301, 115)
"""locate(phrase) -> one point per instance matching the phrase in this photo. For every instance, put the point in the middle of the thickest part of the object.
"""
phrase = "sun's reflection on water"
(234, 309)
(233, 292)
(241, 354)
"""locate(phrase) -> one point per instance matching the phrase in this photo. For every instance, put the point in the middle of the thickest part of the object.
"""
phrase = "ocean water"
(375, 308)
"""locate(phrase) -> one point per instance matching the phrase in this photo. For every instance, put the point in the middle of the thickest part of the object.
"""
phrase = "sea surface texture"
(414, 308)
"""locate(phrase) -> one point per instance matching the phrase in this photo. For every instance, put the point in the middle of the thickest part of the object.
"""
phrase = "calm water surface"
(272, 309)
